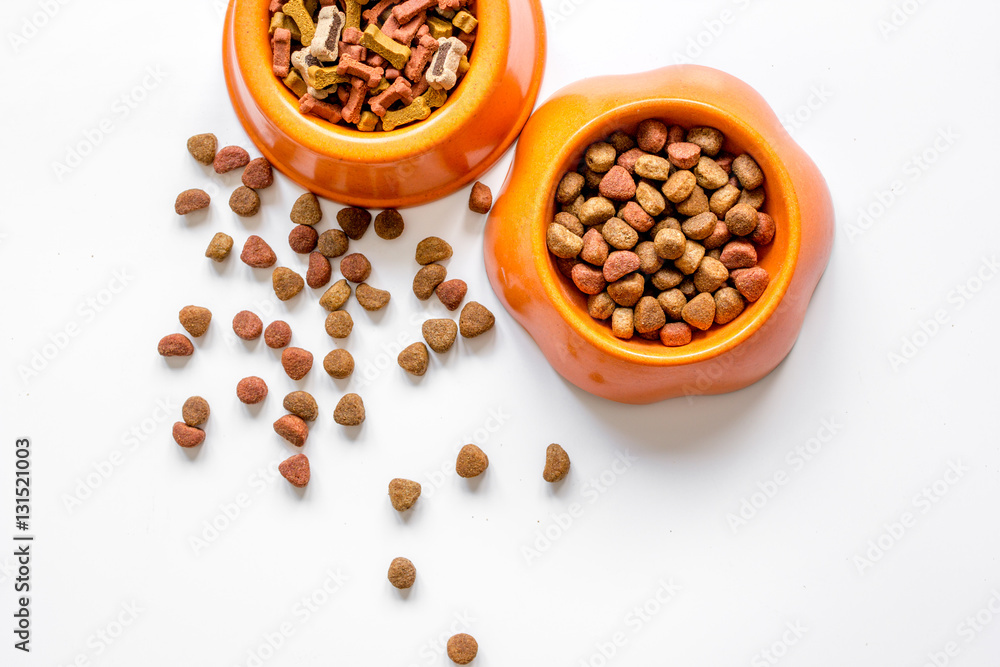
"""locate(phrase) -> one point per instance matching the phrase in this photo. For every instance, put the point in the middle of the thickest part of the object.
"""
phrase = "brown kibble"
(724, 199)
(293, 429)
(700, 227)
(719, 237)
(687, 288)
(251, 390)
(286, 283)
(350, 411)
(741, 219)
(296, 362)
(195, 320)
(462, 648)
(303, 239)
(389, 224)
(258, 174)
(709, 174)
(302, 405)
(565, 266)
(319, 272)
(427, 280)
(600, 157)
(306, 210)
(247, 325)
(617, 185)
(596, 210)
(669, 243)
(403, 494)
(672, 303)
(354, 221)
(666, 278)
(481, 198)
(619, 264)
(594, 249)
(683, 155)
(556, 464)
(195, 411)
(650, 199)
(432, 249)
(277, 334)
(257, 253)
(356, 267)
(728, 305)
(653, 167)
(451, 293)
(619, 234)
(296, 470)
(440, 334)
(748, 172)
(229, 158)
(679, 186)
(628, 290)
(561, 241)
(629, 158)
(219, 247)
(696, 203)
(569, 187)
(471, 462)
(414, 359)
(708, 139)
(764, 232)
(675, 334)
(187, 436)
(475, 320)
(191, 200)
(636, 217)
(371, 298)
(339, 324)
(752, 282)
(689, 262)
(335, 297)
(648, 315)
(711, 275)
(622, 323)
(753, 198)
(600, 306)
(570, 222)
(700, 311)
(739, 254)
(175, 345)
(402, 573)
(651, 135)
(332, 243)
(245, 202)
(202, 147)
(649, 261)
(339, 364)
(621, 141)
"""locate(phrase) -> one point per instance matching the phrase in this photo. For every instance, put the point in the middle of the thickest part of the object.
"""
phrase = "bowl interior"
(778, 258)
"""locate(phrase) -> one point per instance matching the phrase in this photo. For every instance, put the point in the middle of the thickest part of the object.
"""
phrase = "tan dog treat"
(600, 306)
(709, 174)
(451, 293)
(350, 411)
(672, 303)
(229, 158)
(753, 198)
(306, 210)
(389, 224)
(689, 262)
(296, 362)
(751, 283)
(402, 573)
(741, 219)
(296, 470)
(324, 43)
(251, 390)
(695, 204)
(679, 186)
(480, 199)
(462, 649)
(465, 21)
(356, 267)
(175, 345)
(648, 315)
(440, 334)
(719, 237)
(339, 324)
(475, 320)
(202, 147)
(414, 359)
(190, 201)
(432, 249)
(710, 276)
(622, 323)
(650, 199)
(286, 283)
(195, 320)
(600, 157)
(293, 429)
(619, 234)
(700, 227)
(335, 297)
(247, 325)
(728, 305)
(244, 202)
(257, 253)
(700, 311)
(569, 187)
(195, 411)
(588, 279)
(724, 199)
(354, 221)
(438, 27)
(403, 494)
(556, 464)
(594, 248)
(675, 334)
(296, 10)
(708, 139)
(670, 244)
(187, 436)
(653, 167)
(371, 298)
(332, 243)
(258, 174)
(339, 364)
(764, 232)
(617, 185)
(666, 278)
(748, 172)
(219, 247)
(443, 70)
(427, 280)
(418, 110)
(562, 242)
(471, 462)
(570, 222)
(628, 290)
(595, 211)
(296, 84)
(277, 335)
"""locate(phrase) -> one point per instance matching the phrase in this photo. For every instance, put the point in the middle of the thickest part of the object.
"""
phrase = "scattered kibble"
(219, 247)
(332, 243)
(451, 293)
(257, 253)
(187, 436)
(303, 239)
(371, 298)
(302, 405)
(413, 359)
(462, 648)
(306, 210)
(402, 573)
(293, 429)
(258, 174)
(481, 198)
(403, 493)
(475, 320)
(251, 390)
(296, 362)
(471, 462)
(339, 324)
(296, 470)
(336, 296)
(195, 320)
(230, 158)
(354, 221)
(286, 283)
(556, 464)
(350, 411)
(339, 364)
(190, 201)
(432, 249)
(427, 280)
(247, 325)
(440, 334)
(319, 272)
(202, 147)
(277, 334)
(389, 224)
(245, 202)
(175, 345)
(195, 411)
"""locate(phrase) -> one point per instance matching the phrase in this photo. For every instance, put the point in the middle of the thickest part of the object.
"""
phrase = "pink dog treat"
(405, 11)
(310, 105)
(281, 52)
(371, 75)
(352, 108)
(399, 90)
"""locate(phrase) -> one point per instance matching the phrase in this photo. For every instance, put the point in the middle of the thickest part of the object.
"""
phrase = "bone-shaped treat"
(326, 42)
(443, 72)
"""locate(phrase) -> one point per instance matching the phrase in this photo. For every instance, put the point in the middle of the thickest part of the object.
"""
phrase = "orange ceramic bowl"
(554, 312)
(412, 164)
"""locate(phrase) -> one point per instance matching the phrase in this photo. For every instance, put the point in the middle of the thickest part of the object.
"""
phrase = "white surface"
(662, 519)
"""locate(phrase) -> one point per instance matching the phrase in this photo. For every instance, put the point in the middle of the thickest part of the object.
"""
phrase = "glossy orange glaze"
(549, 306)
(412, 164)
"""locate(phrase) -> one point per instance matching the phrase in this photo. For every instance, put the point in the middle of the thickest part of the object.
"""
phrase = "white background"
(868, 104)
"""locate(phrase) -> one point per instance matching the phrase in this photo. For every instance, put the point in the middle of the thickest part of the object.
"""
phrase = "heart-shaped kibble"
(403, 493)
(286, 283)
(296, 470)
(195, 319)
(752, 282)
(413, 359)
(475, 320)
(700, 311)
(617, 184)
(257, 253)
(471, 462)
(296, 362)
(451, 293)
(306, 210)
(440, 334)
(354, 221)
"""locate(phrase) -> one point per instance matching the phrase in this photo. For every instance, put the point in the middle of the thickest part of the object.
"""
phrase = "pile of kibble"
(376, 68)
(661, 229)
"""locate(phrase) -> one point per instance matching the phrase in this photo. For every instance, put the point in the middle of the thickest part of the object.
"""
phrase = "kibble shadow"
(255, 409)
(404, 593)
(176, 362)
(197, 218)
(480, 343)
(475, 484)
(353, 433)
(556, 488)
(192, 453)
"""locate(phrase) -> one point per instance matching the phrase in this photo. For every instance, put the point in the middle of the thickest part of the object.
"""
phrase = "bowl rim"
(252, 49)
(644, 352)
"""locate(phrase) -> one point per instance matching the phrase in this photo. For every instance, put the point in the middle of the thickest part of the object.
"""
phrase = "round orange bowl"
(583, 350)
(410, 165)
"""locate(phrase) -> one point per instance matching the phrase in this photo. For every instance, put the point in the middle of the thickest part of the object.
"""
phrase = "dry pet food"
(257, 253)
(354, 221)
(475, 320)
(402, 574)
(306, 210)
(481, 198)
(195, 411)
(319, 272)
(335, 297)
(427, 280)
(403, 493)
(286, 283)
(413, 359)
(303, 239)
(258, 174)
(471, 462)
(332, 243)
(187, 436)
(356, 267)
(432, 249)
(462, 648)
(451, 293)
(245, 202)
(277, 334)
(195, 320)
(302, 405)
(229, 158)
(440, 334)
(339, 324)
(556, 464)
(175, 345)
(202, 147)
(296, 470)
(339, 364)
(293, 429)
(389, 224)
(371, 298)
(662, 230)
(350, 411)
(296, 362)
(191, 200)
(247, 325)
(251, 390)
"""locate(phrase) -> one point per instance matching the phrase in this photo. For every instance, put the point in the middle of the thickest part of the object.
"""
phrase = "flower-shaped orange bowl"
(410, 165)
(554, 312)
